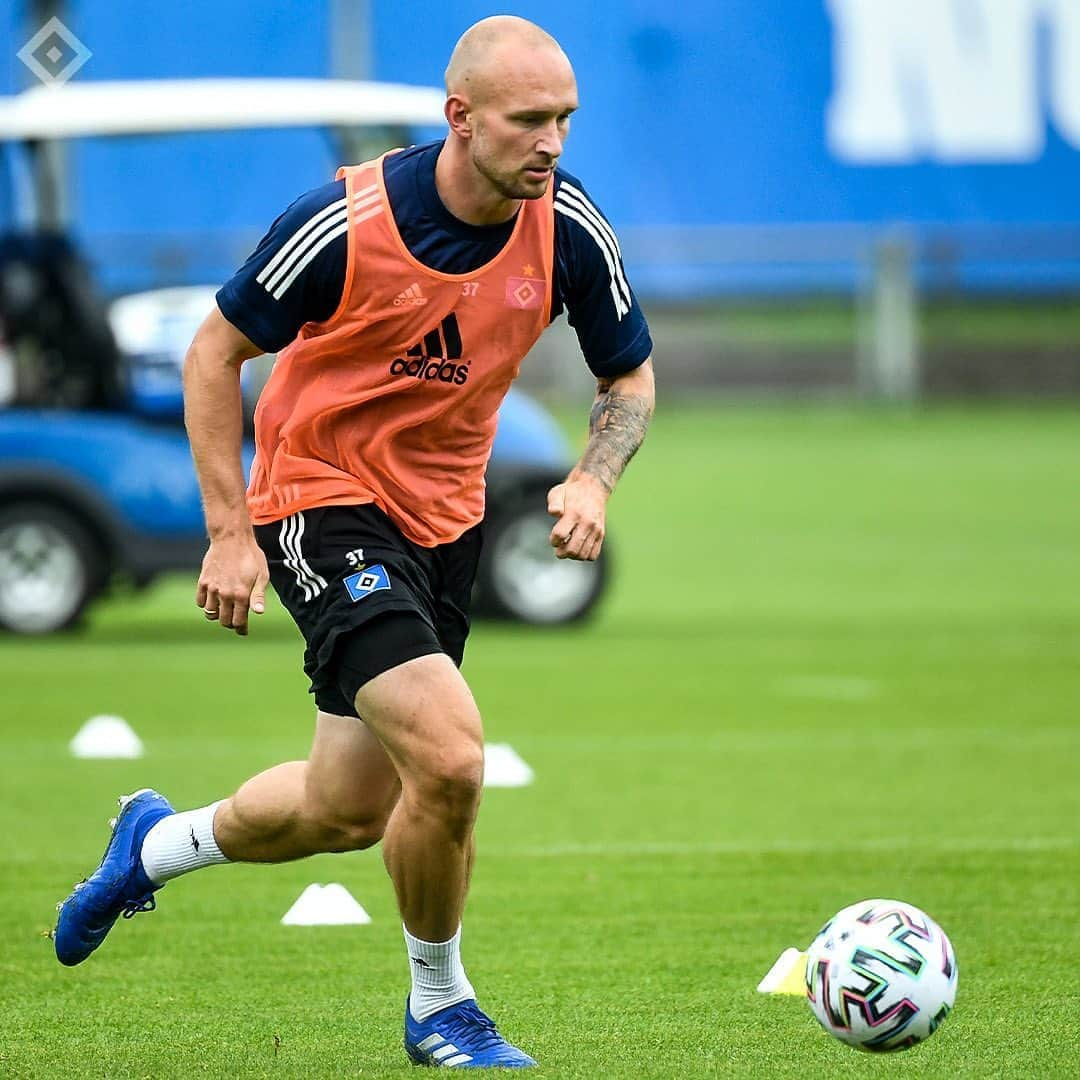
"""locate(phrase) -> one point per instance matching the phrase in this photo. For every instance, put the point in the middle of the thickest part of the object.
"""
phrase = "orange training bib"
(394, 399)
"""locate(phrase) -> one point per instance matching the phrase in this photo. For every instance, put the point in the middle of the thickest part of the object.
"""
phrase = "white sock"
(438, 979)
(180, 843)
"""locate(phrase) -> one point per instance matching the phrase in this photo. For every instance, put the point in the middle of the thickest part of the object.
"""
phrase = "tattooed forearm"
(617, 425)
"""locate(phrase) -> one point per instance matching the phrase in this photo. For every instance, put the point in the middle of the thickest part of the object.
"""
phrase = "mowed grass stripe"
(691, 816)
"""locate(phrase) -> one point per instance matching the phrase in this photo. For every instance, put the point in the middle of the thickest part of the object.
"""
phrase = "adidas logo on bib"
(437, 357)
(410, 297)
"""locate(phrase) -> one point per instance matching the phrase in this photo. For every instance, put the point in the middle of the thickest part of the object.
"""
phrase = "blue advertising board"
(779, 111)
(765, 113)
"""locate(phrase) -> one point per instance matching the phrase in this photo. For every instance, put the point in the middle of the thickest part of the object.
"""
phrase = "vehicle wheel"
(519, 576)
(50, 568)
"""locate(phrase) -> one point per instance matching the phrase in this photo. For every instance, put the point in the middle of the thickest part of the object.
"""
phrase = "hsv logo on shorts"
(372, 579)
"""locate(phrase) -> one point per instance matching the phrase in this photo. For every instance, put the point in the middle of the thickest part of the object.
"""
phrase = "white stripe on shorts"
(292, 530)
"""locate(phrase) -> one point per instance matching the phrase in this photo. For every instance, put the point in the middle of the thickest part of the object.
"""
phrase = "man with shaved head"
(402, 299)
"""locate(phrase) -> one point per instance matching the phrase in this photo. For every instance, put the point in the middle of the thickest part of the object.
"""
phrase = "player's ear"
(457, 116)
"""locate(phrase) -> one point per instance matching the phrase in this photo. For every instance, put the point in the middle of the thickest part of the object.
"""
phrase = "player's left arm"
(591, 286)
(617, 424)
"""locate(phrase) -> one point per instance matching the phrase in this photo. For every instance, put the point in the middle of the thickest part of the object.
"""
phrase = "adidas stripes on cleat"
(119, 886)
(460, 1037)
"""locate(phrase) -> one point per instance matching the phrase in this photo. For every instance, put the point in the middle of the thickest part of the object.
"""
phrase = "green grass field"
(841, 659)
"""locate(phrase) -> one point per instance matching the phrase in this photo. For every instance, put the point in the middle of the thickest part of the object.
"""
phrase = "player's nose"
(550, 143)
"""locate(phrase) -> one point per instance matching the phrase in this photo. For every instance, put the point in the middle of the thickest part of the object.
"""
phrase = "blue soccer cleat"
(460, 1037)
(119, 886)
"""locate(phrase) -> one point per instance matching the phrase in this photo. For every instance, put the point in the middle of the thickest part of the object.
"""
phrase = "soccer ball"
(881, 975)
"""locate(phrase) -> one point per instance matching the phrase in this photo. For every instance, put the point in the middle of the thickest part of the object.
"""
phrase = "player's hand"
(233, 581)
(579, 504)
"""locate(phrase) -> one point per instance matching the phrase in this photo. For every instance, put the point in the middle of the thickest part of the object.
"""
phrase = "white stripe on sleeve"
(313, 240)
(340, 227)
(572, 194)
(308, 234)
(298, 237)
(282, 281)
(339, 230)
(621, 306)
(570, 197)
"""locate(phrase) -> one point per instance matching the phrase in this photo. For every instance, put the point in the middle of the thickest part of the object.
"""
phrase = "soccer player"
(403, 298)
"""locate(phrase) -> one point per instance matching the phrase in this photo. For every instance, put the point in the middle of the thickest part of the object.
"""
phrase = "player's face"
(520, 128)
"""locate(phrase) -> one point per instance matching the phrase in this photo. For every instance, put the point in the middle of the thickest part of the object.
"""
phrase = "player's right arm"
(296, 275)
(234, 571)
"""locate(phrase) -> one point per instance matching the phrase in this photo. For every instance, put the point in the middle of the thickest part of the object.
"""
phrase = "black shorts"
(366, 598)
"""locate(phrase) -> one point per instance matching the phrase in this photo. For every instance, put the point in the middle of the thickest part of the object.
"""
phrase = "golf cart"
(96, 479)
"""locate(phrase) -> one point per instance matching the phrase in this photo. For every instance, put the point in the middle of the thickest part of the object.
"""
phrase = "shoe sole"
(420, 1059)
(415, 1056)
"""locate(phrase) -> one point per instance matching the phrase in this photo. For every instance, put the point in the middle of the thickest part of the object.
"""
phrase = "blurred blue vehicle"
(96, 477)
